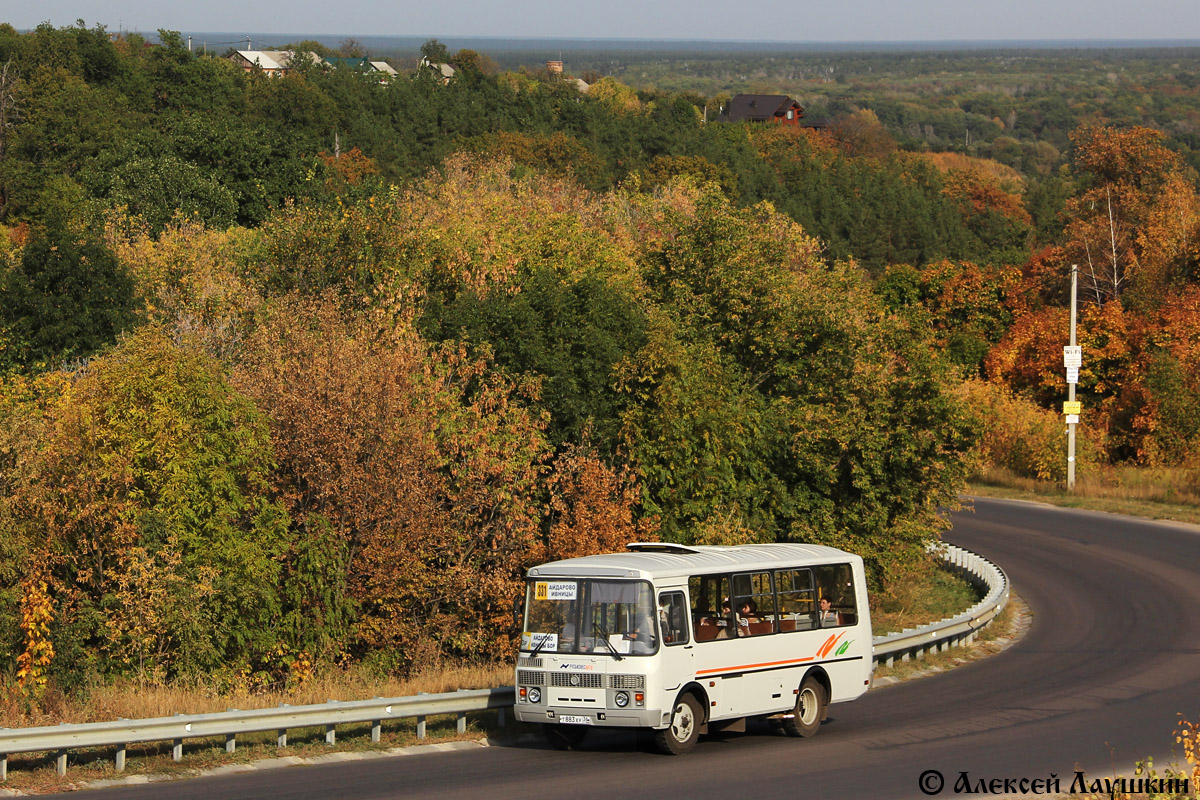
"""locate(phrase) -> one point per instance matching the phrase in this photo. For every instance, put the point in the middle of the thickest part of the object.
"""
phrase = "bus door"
(678, 649)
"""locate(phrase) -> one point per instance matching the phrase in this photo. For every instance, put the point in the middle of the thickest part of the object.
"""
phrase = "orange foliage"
(1002, 175)
(591, 509)
(346, 169)
(976, 192)
(37, 612)
(1029, 357)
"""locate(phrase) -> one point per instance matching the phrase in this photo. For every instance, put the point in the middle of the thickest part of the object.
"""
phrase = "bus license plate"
(567, 719)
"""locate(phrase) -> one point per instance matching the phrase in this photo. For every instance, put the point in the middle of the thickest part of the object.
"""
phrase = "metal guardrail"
(988, 578)
(59, 739)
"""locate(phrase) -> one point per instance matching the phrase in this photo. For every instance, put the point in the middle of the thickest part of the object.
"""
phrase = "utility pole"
(1072, 360)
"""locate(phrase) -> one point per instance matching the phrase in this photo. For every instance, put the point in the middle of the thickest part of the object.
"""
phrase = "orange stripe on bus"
(755, 666)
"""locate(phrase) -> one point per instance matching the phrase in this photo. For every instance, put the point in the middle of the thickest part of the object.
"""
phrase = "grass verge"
(1153, 493)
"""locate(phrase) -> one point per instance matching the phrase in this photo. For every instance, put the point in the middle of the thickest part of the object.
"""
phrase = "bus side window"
(711, 618)
(836, 582)
(754, 604)
(672, 618)
(797, 605)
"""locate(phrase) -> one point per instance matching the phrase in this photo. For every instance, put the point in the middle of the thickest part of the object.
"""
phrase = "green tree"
(67, 297)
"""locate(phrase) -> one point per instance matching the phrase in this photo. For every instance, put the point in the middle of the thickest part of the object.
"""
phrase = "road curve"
(1112, 656)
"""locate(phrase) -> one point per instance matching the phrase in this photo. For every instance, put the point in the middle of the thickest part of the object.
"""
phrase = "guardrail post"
(330, 735)
(119, 761)
(3, 768)
(230, 743)
(376, 730)
(420, 727)
(281, 740)
(177, 750)
(462, 722)
(60, 763)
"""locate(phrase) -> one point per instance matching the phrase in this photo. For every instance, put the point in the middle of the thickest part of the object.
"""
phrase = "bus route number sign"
(555, 590)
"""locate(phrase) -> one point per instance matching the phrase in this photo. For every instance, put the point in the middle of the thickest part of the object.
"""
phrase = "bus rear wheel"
(805, 719)
(680, 736)
(564, 737)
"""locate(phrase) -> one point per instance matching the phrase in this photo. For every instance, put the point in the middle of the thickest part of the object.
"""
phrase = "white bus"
(687, 640)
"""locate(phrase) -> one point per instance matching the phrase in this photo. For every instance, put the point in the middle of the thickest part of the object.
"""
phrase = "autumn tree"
(146, 493)
(1132, 225)
(413, 478)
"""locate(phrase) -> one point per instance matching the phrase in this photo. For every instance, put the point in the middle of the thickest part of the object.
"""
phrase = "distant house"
(443, 72)
(363, 64)
(272, 62)
(777, 108)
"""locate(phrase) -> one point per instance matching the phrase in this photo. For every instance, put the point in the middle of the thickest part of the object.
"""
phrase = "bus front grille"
(581, 680)
(527, 677)
(627, 681)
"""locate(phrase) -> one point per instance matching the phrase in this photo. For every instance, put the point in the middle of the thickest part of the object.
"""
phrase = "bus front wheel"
(680, 736)
(564, 737)
(805, 719)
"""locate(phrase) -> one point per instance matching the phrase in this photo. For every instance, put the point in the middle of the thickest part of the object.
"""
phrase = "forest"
(305, 370)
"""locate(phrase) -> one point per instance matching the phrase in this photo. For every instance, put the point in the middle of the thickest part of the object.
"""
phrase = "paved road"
(1112, 656)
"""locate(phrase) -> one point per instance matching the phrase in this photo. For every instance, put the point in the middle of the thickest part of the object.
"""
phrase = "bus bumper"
(608, 718)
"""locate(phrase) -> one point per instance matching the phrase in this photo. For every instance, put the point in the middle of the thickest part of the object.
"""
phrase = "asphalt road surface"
(1112, 656)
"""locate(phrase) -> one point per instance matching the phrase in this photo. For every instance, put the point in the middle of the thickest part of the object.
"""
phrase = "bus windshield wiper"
(538, 647)
(604, 638)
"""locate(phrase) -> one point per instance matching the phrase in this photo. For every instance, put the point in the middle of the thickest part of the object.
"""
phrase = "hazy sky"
(764, 20)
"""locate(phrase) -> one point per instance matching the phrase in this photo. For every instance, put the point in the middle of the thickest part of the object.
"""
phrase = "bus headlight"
(621, 699)
(535, 694)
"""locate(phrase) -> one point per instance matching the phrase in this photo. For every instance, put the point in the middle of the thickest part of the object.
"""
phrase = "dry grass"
(1152, 492)
(134, 699)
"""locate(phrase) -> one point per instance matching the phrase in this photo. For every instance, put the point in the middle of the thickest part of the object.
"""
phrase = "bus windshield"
(590, 616)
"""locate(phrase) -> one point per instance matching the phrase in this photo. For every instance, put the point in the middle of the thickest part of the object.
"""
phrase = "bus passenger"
(747, 615)
(827, 616)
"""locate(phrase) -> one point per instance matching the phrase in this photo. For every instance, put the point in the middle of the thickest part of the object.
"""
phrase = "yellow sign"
(1072, 407)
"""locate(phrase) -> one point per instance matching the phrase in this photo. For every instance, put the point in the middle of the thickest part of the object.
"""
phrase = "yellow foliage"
(1002, 175)
(187, 276)
(616, 95)
(37, 612)
(1020, 436)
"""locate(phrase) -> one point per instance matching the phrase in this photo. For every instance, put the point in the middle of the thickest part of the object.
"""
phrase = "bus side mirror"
(516, 611)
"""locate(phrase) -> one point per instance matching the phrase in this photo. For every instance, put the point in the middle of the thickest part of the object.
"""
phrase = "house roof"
(384, 67)
(758, 107)
(268, 59)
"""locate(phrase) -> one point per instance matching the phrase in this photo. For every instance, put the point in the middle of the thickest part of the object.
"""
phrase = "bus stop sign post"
(1072, 360)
